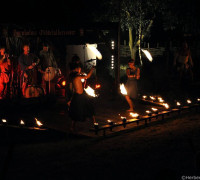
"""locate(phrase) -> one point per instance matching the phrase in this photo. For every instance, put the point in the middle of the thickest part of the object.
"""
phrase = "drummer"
(47, 59)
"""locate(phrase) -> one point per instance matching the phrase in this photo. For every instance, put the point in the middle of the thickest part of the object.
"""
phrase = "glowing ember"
(97, 86)
(166, 105)
(90, 91)
(123, 89)
(123, 117)
(4, 120)
(148, 55)
(95, 51)
(22, 122)
(154, 109)
(189, 101)
(144, 97)
(38, 122)
(178, 103)
(134, 115)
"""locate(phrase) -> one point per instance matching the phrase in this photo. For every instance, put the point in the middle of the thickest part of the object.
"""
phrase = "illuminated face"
(26, 49)
(131, 65)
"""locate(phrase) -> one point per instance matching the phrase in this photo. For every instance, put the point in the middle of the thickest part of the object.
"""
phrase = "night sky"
(47, 11)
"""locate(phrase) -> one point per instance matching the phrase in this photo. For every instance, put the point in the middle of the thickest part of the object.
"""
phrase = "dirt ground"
(167, 149)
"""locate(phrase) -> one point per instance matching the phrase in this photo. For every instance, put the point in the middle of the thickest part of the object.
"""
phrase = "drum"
(50, 73)
(33, 91)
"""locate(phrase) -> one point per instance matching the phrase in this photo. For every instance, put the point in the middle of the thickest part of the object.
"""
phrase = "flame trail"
(147, 54)
(123, 89)
(90, 91)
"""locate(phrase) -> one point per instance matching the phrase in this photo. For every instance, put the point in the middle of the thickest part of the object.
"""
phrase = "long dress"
(131, 85)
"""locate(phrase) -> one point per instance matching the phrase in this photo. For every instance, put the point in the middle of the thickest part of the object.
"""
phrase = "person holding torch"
(80, 106)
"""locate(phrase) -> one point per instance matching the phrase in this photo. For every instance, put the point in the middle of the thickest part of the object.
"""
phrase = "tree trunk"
(131, 43)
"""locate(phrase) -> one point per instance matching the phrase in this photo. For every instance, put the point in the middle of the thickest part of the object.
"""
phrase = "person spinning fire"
(133, 74)
(4, 72)
(80, 106)
(75, 61)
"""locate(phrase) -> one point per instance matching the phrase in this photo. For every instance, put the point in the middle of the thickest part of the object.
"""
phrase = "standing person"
(75, 61)
(80, 105)
(133, 74)
(29, 71)
(183, 63)
(49, 69)
(4, 72)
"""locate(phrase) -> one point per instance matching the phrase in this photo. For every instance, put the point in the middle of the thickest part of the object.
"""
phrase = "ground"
(166, 149)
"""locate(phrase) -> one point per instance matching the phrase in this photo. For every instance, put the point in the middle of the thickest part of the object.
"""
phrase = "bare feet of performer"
(128, 99)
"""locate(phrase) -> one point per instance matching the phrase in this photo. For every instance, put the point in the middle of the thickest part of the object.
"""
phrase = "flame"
(95, 51)
(4, 120)
(123, 117)
(166, 105)
(148, 112)
(38, 122)
(123, 89)
(147, 54)
(160, 99)
(110, 122)
(22, 122)
(96, 124)
(64, 83)
(134, 115)
(97, 86)
(90, 91)
(189, 101)
(144, 97)
(153, 98)
(198, 99)
(154, 109)
(178, 103)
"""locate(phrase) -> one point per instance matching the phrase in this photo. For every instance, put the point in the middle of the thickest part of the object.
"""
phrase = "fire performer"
(4, 72)
(133, 74)
(75, 61)
(80, 105)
